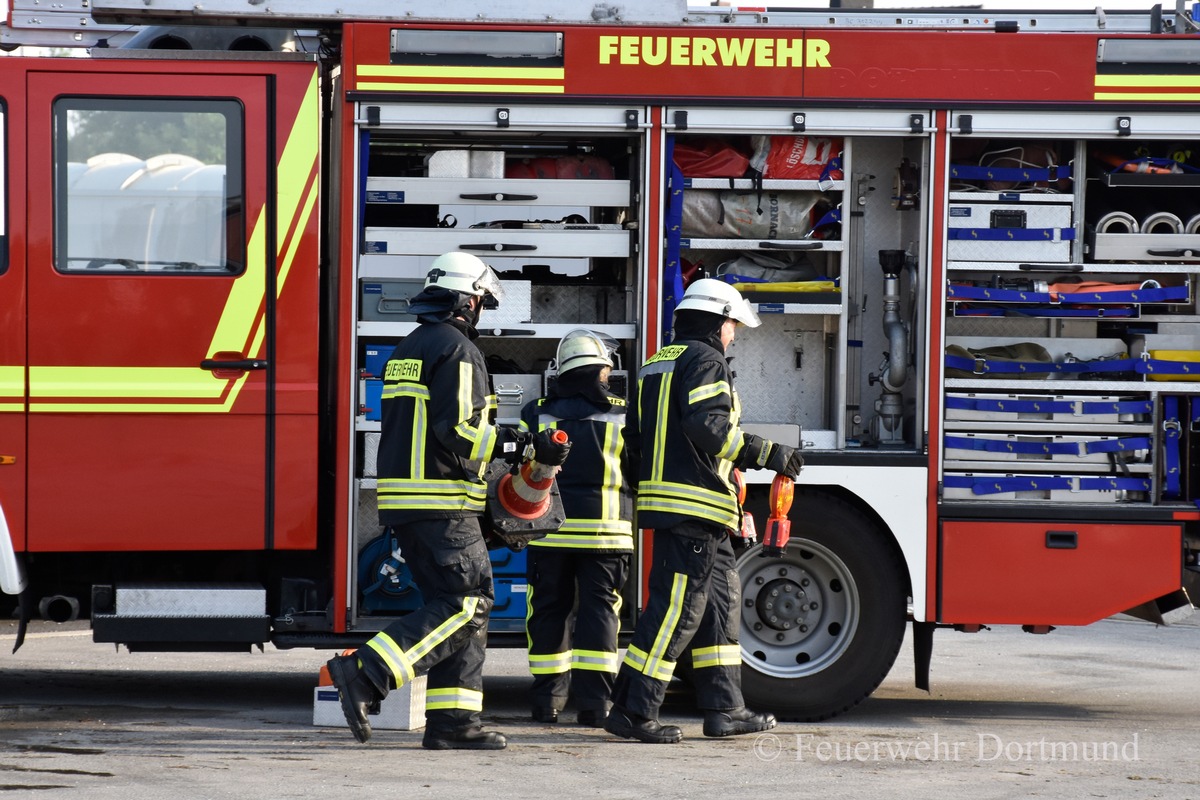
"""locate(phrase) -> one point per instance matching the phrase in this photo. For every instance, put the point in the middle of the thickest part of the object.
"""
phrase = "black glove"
(547, 451)
(785, 460)
(512, 444)
(754, 452)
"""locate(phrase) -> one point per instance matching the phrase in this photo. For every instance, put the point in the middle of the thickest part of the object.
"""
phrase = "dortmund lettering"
(407, 369)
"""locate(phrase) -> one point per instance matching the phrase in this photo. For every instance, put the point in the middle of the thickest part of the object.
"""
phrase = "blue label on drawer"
(374, 248)
(385, 197)
(960, 211)
(372, 288)
(769, 308)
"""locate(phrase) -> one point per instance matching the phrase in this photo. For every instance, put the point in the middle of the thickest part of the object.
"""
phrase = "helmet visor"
(744, 313)
(488, 285)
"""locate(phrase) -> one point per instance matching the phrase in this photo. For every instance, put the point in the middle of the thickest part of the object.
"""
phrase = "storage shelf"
(1090, 268)
(1052, 385)
(745, 184)
(770, 245)
(1046, 427)
(1021, 466)
(810, 309)
(528, 330)
(511, 193)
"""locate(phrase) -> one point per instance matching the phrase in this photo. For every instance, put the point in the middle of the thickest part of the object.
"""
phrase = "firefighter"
(587, 560)
(684, 442)
(435, 444)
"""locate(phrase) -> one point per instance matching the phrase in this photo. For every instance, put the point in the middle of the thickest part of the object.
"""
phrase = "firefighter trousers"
(576, 660)
(445, 638)
(694, 613)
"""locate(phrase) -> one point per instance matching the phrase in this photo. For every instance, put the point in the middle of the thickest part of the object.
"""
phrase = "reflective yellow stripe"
(413, 71)
(660, 426)
(157, 382)
(395, 658)
(638, 660)
(413, 390)
(402, 663)
(371, 86)
(550, 664)
(12, 387)
(594, 661)
(1148, 80)
(707, 392)
(656, 658)
(721, 655)
(463, 699)
(584, 541)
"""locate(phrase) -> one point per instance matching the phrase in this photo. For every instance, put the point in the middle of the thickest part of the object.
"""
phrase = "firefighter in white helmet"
(684, 442)
(435, 444)
(584, 565)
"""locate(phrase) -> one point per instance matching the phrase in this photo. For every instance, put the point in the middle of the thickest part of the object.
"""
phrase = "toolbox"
(1010, 226)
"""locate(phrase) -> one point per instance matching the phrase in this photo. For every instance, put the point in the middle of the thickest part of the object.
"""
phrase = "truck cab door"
(165, 347)
(12, 336)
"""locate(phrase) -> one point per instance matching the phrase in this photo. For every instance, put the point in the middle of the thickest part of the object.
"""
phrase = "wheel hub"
(785, 605)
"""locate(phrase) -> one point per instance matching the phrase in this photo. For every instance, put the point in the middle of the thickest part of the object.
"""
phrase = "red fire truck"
(972, 238)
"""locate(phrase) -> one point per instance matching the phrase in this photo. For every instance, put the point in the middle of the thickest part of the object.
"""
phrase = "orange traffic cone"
(525, 505)
(779, 527)
(527, 494)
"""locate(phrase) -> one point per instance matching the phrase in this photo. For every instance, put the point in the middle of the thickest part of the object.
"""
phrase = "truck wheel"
(822, 625)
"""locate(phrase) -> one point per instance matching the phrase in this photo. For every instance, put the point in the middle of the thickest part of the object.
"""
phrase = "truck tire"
(821, 627)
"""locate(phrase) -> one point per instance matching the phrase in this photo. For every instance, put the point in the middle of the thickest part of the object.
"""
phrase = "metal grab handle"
(1184, 253)
(499, 197)
(498, 247)
(1051, 267)
(790, 246)
(247, 364)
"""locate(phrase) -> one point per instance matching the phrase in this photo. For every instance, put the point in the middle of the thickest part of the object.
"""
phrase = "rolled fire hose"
(1193, 225)
(1117, 222)
(1162, 222)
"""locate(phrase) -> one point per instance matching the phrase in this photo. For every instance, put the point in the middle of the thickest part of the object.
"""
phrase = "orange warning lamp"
(748, 534)
(779, 527)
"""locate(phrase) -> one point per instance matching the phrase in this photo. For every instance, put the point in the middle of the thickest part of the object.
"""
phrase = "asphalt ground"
(1104, 711)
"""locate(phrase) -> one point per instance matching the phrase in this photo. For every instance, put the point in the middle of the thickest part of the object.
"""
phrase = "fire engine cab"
(973, 239)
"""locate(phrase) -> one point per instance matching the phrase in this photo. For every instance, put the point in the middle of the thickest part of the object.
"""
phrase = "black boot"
(547, 714)
(737, 721)
(357, 694)
(469, 739)
(630, 726)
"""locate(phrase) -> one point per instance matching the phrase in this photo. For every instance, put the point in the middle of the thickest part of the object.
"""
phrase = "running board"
(183, 617)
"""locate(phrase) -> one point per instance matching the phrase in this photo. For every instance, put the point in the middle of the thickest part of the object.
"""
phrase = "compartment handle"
(1062, 540)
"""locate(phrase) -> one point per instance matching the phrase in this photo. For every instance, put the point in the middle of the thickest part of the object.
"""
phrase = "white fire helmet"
(718, 297)
(581, 347)
(465, 274)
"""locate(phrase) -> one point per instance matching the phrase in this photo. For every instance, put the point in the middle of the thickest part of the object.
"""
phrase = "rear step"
(187, 617)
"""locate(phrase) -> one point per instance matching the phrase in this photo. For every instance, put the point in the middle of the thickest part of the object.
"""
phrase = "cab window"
(148, 186)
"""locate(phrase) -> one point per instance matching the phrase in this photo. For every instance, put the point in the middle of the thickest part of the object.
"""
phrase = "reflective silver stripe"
(464, 699)
(721, 655)
(413, 390)
(656, 658)
(594, 661)
(585, 541)
(546, 420)
(550, 664)
(637, 659)
(395, 658)
(707, 392)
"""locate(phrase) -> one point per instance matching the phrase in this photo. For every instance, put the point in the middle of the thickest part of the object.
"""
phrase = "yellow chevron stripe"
(507, 73)
(460, 87)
